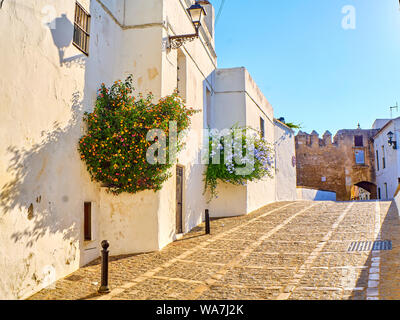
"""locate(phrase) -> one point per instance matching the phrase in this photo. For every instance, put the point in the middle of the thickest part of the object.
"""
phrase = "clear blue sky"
(311, 70)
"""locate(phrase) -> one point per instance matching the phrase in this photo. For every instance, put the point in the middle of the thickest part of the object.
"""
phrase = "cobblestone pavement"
(287, 250)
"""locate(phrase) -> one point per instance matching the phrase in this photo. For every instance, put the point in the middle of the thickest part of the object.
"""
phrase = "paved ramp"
(287, 250)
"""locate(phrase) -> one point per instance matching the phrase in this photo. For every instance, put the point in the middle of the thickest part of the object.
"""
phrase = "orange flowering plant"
(115, 145)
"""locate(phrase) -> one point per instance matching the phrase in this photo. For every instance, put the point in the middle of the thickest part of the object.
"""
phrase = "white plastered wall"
(238, 101)
(43, 182)
(390, 173)
(285, 170)
(200, 64)
(46, 86)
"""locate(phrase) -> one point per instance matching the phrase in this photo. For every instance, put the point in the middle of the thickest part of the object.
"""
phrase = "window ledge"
(360, 165)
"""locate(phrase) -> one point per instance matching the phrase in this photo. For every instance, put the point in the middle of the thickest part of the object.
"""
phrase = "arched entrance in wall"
(364, 190)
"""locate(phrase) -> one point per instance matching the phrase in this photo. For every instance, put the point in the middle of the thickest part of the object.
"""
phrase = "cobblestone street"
(287, 250)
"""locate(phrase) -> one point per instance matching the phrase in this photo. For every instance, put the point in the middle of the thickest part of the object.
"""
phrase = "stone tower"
(337, 165)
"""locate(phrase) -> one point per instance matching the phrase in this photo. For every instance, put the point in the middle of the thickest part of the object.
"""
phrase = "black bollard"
(207, 222)
(104, 268)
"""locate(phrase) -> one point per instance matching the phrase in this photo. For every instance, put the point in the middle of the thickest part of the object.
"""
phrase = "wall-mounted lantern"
(196, 13)
(391, 142)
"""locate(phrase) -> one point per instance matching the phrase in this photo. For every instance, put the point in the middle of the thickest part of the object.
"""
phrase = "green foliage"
(293, 126)
(114, 147)
(255, 162)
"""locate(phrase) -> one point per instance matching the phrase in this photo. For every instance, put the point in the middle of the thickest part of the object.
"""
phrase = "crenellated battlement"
(342, 137)
(314, 140)
(335, 162)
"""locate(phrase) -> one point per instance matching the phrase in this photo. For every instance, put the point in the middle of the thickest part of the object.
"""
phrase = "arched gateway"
(364, 190)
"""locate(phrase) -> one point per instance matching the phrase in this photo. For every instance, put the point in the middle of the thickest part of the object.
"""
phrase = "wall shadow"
(283, 138)
(44, 184)
(62, 31)
(389, 276)
(30, 168)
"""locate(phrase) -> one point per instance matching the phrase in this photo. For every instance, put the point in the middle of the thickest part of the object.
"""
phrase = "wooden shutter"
(88, 221)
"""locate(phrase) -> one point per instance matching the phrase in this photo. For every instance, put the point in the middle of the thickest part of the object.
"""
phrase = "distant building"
(338, 166)
(387, 157)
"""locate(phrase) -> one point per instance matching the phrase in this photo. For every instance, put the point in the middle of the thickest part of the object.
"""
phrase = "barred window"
(81, 29)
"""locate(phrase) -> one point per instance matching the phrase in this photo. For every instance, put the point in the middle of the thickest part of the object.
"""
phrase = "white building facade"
(285, 163)
(239, 101)
(387, 157)
(48, 83)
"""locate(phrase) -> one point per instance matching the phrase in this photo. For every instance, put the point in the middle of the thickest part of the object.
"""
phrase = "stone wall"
(331, 165)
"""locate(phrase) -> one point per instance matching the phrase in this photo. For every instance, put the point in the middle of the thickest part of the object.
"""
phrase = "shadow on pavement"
(388, 285)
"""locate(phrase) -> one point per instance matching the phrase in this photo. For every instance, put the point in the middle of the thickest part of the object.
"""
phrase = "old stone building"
(343, 165)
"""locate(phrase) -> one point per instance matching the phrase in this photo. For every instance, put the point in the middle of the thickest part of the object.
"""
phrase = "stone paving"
(287, 250)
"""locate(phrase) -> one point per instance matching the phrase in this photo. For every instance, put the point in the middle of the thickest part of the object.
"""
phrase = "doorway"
(179, 199)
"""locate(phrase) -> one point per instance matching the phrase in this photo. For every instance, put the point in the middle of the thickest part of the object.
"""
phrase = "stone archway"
(370, 187)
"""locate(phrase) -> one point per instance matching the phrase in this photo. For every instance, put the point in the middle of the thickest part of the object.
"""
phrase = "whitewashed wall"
(230, 202)
(130, 223)
(43, 182)
(143, 53)
(259, 193)
(285, 152)
(200, 63)
(391, 173)
(46, 86)
(238, 101)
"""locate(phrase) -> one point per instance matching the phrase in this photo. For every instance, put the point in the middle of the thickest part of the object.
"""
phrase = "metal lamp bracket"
(175, 42)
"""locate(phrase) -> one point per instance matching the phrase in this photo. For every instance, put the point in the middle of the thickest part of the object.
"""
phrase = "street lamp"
(196, 12)
(391, 142)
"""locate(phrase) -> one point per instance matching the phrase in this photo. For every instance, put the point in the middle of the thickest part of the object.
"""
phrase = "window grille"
(358, 141)
(81, 29)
